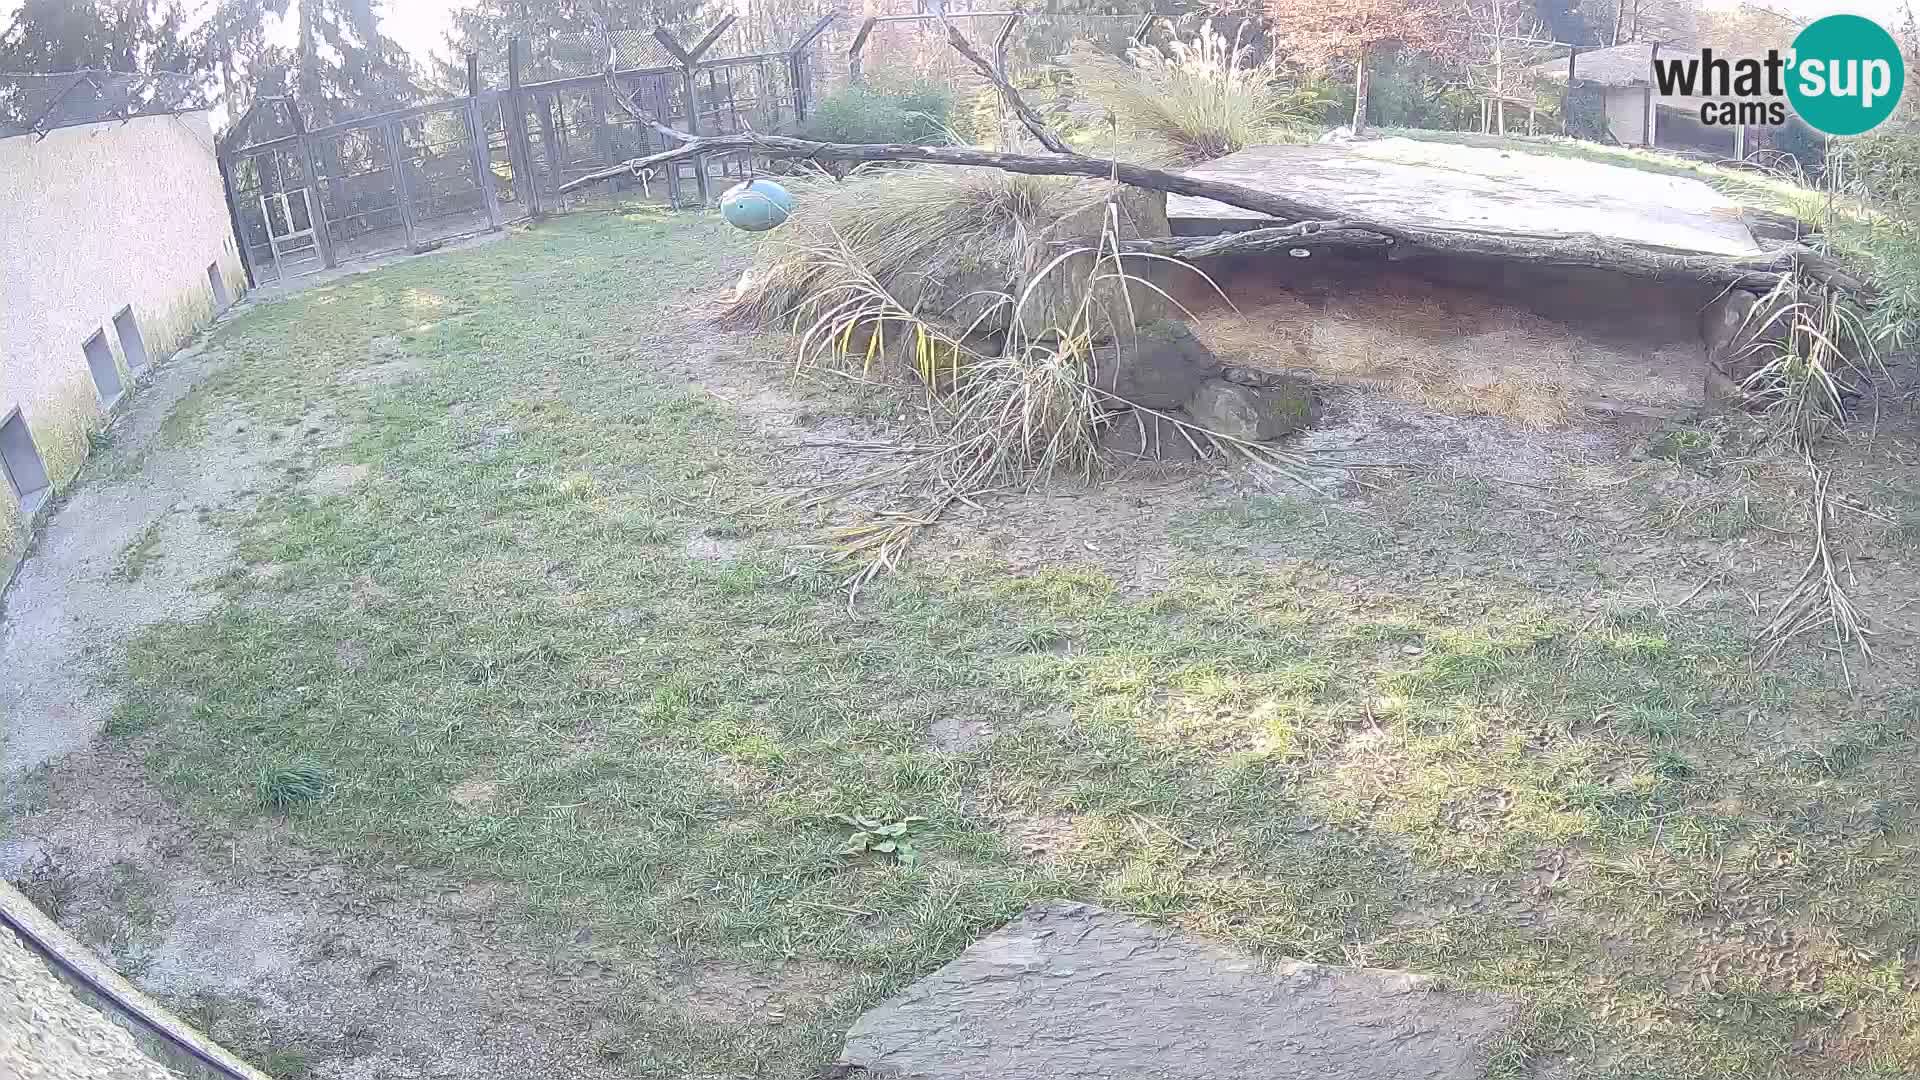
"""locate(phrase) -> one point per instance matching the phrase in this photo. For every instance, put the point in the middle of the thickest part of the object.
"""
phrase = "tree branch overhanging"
(1309, 225)
(998, 78)
(1068, 164)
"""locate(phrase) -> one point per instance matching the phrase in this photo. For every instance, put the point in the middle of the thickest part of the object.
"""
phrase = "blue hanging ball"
(756, 205)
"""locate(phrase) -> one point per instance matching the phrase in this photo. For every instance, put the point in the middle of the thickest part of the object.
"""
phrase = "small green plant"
(1671, 766)
(880, 837)
(918, 113)
(1683, 446)
(285, 787)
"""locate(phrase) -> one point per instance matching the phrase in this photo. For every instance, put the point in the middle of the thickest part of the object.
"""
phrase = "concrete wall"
(96, 218)
(1627, 114)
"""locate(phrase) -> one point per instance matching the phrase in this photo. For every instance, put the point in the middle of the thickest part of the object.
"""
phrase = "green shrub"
(914, 113)
(1885, 167)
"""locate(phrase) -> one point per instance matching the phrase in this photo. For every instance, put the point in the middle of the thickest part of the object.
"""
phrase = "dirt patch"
(713, 548)
(390, 972)
(474, 793)
(734, 994)
(338, 479)
(1041, 836)
(75, 598)
(959, 734)
(388, 361)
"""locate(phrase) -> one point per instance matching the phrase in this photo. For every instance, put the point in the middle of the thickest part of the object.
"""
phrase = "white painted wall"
(1627, 114)
(92, 219)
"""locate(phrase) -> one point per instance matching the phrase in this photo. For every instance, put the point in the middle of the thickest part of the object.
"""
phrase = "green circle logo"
(1847, 74)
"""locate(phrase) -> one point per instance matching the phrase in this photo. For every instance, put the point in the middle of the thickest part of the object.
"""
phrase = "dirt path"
(301, 963)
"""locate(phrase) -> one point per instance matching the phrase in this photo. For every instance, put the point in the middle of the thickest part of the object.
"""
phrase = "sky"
(418, 25)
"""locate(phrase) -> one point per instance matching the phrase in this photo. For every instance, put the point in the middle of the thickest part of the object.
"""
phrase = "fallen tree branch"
(1064, 164)
(642, 116)
(1303, 234)
(1311, 225)
(1759, 272)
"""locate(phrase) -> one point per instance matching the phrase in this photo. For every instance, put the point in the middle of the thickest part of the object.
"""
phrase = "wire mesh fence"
(38, 104)
(417, 177)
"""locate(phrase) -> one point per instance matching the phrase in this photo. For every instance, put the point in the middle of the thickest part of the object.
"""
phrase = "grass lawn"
(541, 643)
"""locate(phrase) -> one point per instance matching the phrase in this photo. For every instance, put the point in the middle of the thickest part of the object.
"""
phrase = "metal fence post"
(390, 138)
(797, 65)
(316, 202)
(233, 219)
(477, 136)
(689, 72)
(690, 76)
(514, 112)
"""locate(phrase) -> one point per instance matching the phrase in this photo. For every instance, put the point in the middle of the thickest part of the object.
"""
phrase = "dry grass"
(1011, 401)
(1492, 362)
(916, 232)
(1819, 350)
(1192, 102)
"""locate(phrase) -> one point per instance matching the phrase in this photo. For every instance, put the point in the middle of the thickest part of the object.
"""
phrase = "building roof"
(34, 104)
(1626, 65)
(1616, 65)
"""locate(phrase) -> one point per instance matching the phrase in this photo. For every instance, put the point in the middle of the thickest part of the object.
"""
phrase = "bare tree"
(1506, 40)
(1322, 32)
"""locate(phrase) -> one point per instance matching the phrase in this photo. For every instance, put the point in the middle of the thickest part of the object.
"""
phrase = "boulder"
(959, 292)
(1734, 329)
(1252, 413)
(1053, 302)
(968, 287)
(1146, 435)
(1158, 367)
(1074, 992)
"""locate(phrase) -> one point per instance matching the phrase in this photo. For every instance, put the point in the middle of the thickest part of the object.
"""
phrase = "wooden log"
(1759, 272)
(1284, 207)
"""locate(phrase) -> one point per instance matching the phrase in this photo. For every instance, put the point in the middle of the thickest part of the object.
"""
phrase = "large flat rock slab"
(1444, 185)
(1073, 991)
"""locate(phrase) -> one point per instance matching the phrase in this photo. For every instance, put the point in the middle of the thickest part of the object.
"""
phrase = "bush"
(1885, 168)
(1411, 90)
(914, 113)
(1193, 102)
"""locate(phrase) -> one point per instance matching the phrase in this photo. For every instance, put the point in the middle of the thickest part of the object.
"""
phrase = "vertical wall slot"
(106, 373)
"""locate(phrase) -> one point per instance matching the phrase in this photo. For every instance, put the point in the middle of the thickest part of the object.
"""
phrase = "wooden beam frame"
(853, 51)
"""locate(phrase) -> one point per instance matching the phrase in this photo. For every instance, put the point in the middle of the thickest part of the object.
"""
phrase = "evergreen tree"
(562, 37)
(98, 35)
